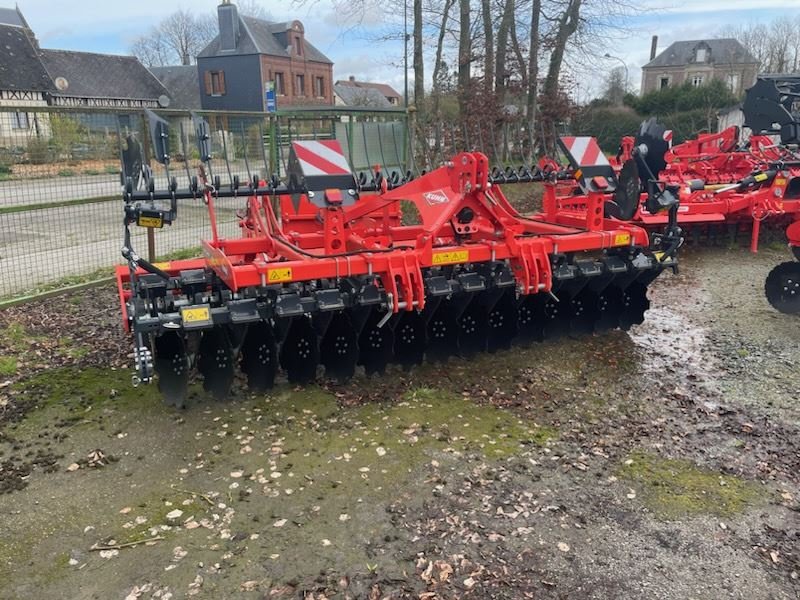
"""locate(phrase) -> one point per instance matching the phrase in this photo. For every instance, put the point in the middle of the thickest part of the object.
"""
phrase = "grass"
(101, 274)
(678, 488)
(8, 366)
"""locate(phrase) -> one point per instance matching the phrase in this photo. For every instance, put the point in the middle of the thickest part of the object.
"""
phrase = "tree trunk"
(567, 25)
(533, 73)
(502, 47)
(464, 56)
(437, 65)
(488, 52)
(518, 53)
(419, 64)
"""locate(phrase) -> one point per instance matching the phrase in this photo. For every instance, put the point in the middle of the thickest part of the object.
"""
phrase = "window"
(319, 87)
(733, 82)
(663, 83)
(299, 85)
(215, 83)
(700, 55)
(697, 80)
(19, 120)
(279, 86)
(298, 45)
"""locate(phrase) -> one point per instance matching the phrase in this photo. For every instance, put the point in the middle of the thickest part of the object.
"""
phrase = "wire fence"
(61, 213)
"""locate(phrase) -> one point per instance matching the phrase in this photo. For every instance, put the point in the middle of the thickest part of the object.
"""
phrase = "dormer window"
(298, 45)
(701, 53)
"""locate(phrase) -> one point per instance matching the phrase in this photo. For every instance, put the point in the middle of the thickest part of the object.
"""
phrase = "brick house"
(700, 61)
(248, 53)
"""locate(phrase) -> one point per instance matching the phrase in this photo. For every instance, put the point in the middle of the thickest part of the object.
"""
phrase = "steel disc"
(503, 323)
(299, 353)
(172, 367)
(339, 347)
(585, 312)
(375, 344)
(473, 328)
(610, 303)
(556, 316)
(651, 135)
(215, 362)
(259, 356)
(442, 333)
(635, 304)
(783, 287)
(410, 339)
(529, 323)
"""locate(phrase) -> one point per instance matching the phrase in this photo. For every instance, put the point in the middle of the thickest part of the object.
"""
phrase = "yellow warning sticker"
(153, 222)
(449, 258)
(622, 239)
(164, 266)
(196, 315)
(780, 182)
(279, 275)
(760, 177)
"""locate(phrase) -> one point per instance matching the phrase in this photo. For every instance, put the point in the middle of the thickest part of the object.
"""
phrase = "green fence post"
(274, 163)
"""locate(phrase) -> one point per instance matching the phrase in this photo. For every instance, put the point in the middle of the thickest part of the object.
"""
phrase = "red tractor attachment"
(335, 272)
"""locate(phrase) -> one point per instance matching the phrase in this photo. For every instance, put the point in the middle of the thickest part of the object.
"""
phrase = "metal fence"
(60, 188)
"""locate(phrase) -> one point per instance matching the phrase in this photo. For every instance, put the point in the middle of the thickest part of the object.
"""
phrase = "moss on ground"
(8, 366)
(677, 488)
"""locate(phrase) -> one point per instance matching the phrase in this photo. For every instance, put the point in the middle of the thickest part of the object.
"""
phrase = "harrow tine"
(172, 366)
(339, 348)
(215, 362)
(442, 332)
(299, 353)
(635, 304)
(410, 339)
(259, 356)
(503, 322)
(375, 344)
(473, 328)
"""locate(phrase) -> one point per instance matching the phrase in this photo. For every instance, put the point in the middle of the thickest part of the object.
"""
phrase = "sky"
(103, 26)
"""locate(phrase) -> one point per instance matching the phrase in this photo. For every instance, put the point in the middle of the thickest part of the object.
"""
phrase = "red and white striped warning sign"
(321, 157)
(585, 151)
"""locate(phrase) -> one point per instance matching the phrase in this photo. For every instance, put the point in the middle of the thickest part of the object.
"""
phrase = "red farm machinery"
(338, 271)
(725, 186)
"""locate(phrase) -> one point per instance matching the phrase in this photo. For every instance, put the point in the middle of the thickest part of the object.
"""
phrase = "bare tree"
(614, 87)
(502, 47)
(776, 46)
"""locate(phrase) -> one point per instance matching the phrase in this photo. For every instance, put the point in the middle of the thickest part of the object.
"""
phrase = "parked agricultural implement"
(327, 272)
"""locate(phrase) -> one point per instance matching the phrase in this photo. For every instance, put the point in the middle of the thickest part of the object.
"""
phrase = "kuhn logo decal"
(434, 198)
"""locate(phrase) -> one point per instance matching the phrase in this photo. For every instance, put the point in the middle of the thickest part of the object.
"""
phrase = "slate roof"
(257, 36)
(12, 16)
(91, 75)
(383, 88)
(722, 51)
(182, 83)
(20, 67)
(356, 96)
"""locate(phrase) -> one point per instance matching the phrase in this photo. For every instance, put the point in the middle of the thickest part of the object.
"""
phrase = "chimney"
(228, 16)
(653, 47)
(352, 78)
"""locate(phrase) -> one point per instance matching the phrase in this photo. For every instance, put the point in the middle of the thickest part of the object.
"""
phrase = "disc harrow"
(326, 279)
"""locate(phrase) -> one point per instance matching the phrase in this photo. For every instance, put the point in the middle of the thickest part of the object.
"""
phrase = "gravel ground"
(659, 463)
